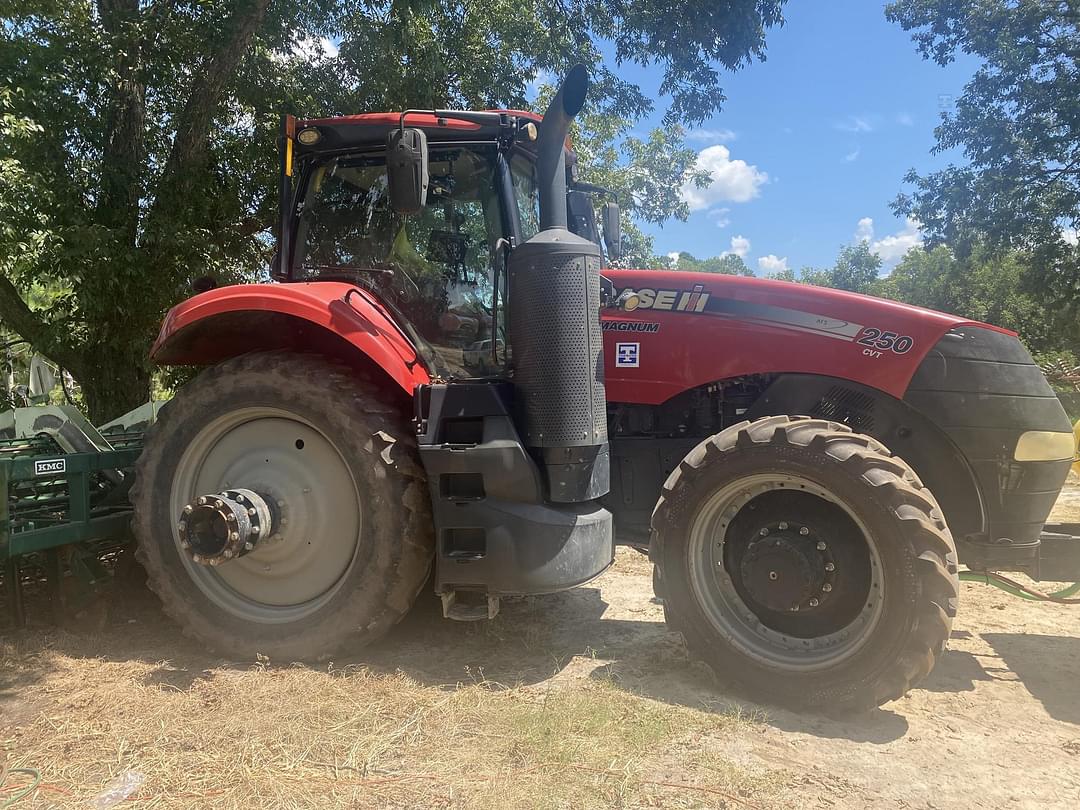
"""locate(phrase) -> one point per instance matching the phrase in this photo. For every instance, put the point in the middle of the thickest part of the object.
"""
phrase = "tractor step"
(476, 609)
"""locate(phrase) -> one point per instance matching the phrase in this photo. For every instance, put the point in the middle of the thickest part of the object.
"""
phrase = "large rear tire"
(806, 564)
(355, 542)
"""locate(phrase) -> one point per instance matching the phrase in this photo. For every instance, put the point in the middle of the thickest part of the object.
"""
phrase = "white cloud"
(673, 258)
(714, 135)
(852, 156)
(893, 247)
(1071, 236)
(905, 120)
(740, 246)
(732, 180)
(772, 264)
(855, 123)
(720, 217)
(864, 231)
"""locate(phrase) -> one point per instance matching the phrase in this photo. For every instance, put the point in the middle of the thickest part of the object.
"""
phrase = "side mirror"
(581, 218)
(612, 230)
(407, 169)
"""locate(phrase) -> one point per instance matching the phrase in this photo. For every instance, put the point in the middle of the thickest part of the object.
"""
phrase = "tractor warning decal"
(627, 355)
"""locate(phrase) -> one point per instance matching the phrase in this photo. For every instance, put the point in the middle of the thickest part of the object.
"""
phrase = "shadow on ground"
(534, 639)
(1048, 666)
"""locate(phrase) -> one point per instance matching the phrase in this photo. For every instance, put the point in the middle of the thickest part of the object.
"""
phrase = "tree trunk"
(116, 385)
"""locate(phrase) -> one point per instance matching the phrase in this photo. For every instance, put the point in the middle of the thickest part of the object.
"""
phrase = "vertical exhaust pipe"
(555, 334)
(551, 152)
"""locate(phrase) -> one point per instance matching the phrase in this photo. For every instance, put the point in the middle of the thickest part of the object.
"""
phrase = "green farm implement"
(64, 505)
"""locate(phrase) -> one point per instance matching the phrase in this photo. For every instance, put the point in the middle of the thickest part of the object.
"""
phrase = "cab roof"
(370, 128)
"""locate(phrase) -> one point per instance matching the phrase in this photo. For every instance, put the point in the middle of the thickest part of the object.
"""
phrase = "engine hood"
(695, 328)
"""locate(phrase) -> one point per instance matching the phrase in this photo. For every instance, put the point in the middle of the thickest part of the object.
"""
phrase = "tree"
(856, 269)
(1018, 124)
(985, 286)
(728, 264)
(137, 136)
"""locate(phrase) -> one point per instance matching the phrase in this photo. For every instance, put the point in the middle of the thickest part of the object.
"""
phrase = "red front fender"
(326, 316)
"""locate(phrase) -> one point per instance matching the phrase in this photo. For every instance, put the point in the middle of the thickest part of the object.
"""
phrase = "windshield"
(437, 267)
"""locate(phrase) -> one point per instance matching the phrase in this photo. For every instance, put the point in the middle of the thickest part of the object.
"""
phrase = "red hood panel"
(696, 328)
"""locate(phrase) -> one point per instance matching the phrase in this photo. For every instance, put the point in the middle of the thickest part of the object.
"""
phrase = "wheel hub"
(782, 572)
(217, 528)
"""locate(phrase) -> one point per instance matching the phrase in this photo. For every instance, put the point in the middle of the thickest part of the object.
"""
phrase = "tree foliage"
(855, 269)
(984, 286)
(728, 264)
(137, 136)
(1018, 125)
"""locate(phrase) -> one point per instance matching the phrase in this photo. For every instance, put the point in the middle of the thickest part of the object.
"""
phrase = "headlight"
(1045, 445)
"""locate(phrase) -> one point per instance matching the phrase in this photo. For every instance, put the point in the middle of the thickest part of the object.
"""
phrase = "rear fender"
(331, 318)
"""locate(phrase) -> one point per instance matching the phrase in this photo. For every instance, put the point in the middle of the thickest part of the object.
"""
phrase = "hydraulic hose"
(1011, 586)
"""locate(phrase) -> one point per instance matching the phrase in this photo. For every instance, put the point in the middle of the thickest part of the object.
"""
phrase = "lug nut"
(763, 532)
(830, 567)
(814, 602)
(234, 536)
(252, 511)
(188, 509)
(202, 500)
(804, 531)
(826, 587)
(821, 545)
(248, 546)
(219, 504)
(783, 525)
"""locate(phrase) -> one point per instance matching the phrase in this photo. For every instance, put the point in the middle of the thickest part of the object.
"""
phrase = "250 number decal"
(886, 341)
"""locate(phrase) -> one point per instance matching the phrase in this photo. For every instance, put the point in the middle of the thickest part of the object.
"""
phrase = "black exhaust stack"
(555, 330)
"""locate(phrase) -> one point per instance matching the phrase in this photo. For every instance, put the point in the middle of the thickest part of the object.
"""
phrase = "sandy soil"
(997, 724)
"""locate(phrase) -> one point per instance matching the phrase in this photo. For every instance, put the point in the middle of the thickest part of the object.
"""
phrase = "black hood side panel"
(982, 388)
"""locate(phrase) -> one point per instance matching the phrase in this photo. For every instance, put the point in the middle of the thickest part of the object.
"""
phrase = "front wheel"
(336, 463)
(806, 563)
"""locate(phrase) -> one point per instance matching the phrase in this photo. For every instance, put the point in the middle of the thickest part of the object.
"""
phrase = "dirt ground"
(580, 699)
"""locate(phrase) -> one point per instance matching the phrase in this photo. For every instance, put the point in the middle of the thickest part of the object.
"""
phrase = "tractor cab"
(439, 260)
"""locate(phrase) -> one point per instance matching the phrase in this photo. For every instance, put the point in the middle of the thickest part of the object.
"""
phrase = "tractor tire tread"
(406, 566)
(915, 510)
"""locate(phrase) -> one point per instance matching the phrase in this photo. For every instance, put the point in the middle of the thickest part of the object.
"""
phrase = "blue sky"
(817, 138)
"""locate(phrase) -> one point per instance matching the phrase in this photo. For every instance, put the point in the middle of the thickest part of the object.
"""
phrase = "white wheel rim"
(733, 619)
(282, 456)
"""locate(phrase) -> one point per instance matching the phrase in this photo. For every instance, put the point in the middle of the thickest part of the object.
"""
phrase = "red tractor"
(444, 385)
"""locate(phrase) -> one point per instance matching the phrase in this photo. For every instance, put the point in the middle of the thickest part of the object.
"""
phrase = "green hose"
(1064, 593)
(22, 792)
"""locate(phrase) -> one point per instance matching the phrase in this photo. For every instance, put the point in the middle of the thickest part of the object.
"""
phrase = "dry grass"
(299, 737)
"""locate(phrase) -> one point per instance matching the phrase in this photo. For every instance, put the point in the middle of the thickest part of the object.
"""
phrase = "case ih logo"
(673, 300)
(50, 467)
